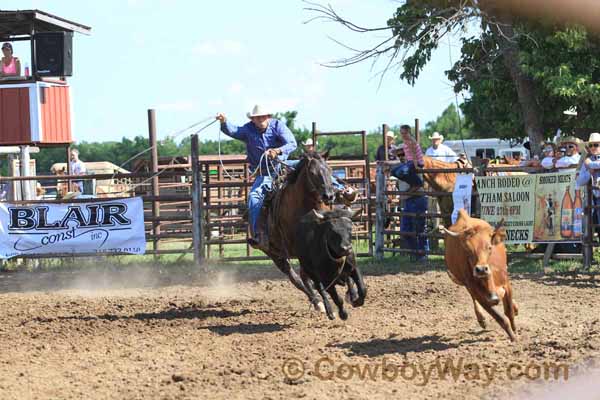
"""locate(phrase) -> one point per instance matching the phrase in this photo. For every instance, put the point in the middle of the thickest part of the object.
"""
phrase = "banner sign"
(559, 208)
(105, 226)
(461, 196)
(536, 208)
(509, 198)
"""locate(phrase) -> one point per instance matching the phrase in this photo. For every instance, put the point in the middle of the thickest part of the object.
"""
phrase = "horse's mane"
(292, 176)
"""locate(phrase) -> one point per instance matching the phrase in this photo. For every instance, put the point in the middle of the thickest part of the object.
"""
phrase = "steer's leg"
(314, 300)
(509, 310)
(338, 302)
(479, 314)
(321, 289)
(501, 319)
(360, 286)
(351, 293)
(285, 267)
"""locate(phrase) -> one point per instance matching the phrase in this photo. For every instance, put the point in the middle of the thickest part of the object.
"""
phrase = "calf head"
(337, 232)
(479, 241)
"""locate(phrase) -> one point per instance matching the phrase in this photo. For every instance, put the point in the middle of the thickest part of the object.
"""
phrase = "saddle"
(266, 219)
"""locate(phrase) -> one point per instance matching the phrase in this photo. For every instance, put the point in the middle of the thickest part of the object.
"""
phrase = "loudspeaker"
(54, 53)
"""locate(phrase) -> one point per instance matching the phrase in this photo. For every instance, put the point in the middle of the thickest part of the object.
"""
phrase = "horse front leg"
(285, 267)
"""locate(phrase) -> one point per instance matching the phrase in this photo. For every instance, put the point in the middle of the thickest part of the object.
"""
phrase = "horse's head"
(315, 174)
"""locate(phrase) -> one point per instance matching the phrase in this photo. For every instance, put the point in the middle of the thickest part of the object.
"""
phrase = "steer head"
(338, 231)
(479, 241)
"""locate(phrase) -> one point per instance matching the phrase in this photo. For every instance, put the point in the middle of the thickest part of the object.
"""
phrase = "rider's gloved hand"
(272, 153)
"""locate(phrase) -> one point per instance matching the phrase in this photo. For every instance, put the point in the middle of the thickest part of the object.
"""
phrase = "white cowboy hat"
(594, 138)
(436, 135)
(309, 142)
(258, 111)
(390, 134)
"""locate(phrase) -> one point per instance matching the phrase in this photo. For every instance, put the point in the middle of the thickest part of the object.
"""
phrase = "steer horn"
(443, 230)
(317, 214)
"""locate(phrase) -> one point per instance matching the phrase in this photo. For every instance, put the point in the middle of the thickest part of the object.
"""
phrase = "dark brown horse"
(308, 187)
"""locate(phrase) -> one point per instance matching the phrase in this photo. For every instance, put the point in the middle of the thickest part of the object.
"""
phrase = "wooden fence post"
(197, 217)
(385, 130)
(380, 203)
(155, 188)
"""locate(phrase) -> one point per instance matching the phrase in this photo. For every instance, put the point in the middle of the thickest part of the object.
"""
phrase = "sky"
(192, 59)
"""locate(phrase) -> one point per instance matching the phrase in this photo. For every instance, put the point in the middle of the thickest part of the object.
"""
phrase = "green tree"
(448, 124)
(520, 74)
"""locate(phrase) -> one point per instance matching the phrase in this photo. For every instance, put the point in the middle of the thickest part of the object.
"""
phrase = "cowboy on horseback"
(266, 139)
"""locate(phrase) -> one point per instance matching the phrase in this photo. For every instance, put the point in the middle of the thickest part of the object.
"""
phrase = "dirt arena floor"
(140, 333)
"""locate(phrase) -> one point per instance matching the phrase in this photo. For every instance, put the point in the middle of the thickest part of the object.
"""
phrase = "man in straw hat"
(265, 138)
(440, 151)
(573, 147)
(390, 139)
(590, 169)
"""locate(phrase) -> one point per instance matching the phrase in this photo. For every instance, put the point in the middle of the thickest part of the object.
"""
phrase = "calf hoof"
(330, 316)
(358, 302)
(343, 315)
(482, 323)
(318, 305)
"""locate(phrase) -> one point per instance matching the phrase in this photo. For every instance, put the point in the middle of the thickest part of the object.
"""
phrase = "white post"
(380, 204)
(26, 186)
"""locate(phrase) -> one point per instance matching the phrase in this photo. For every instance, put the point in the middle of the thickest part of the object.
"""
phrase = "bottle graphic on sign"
(566, 215)
(550, 214)
(577, 215)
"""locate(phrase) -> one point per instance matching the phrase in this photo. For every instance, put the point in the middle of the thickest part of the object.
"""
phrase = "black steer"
(324, 248)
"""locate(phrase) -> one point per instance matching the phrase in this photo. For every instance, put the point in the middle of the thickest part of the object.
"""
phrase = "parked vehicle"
(488, 148)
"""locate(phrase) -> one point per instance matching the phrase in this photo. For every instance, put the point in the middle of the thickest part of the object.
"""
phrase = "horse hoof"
(482, 323)
(331, 316)
(343, 315)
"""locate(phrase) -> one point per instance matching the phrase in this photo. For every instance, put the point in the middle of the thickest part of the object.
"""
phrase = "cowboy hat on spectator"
(594, 138)
(572, 140)
(390, 134)
(436, 135)
(258, 111)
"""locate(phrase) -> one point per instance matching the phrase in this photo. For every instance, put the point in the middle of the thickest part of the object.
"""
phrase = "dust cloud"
(583, 383)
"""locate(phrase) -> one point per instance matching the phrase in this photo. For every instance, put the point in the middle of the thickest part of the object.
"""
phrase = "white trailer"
(487, 148)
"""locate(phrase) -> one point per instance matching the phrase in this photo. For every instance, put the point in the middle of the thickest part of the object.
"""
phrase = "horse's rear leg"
(285, 267)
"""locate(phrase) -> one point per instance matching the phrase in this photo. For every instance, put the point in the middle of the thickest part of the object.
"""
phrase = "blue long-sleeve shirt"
(592, 172)
(277, 136)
